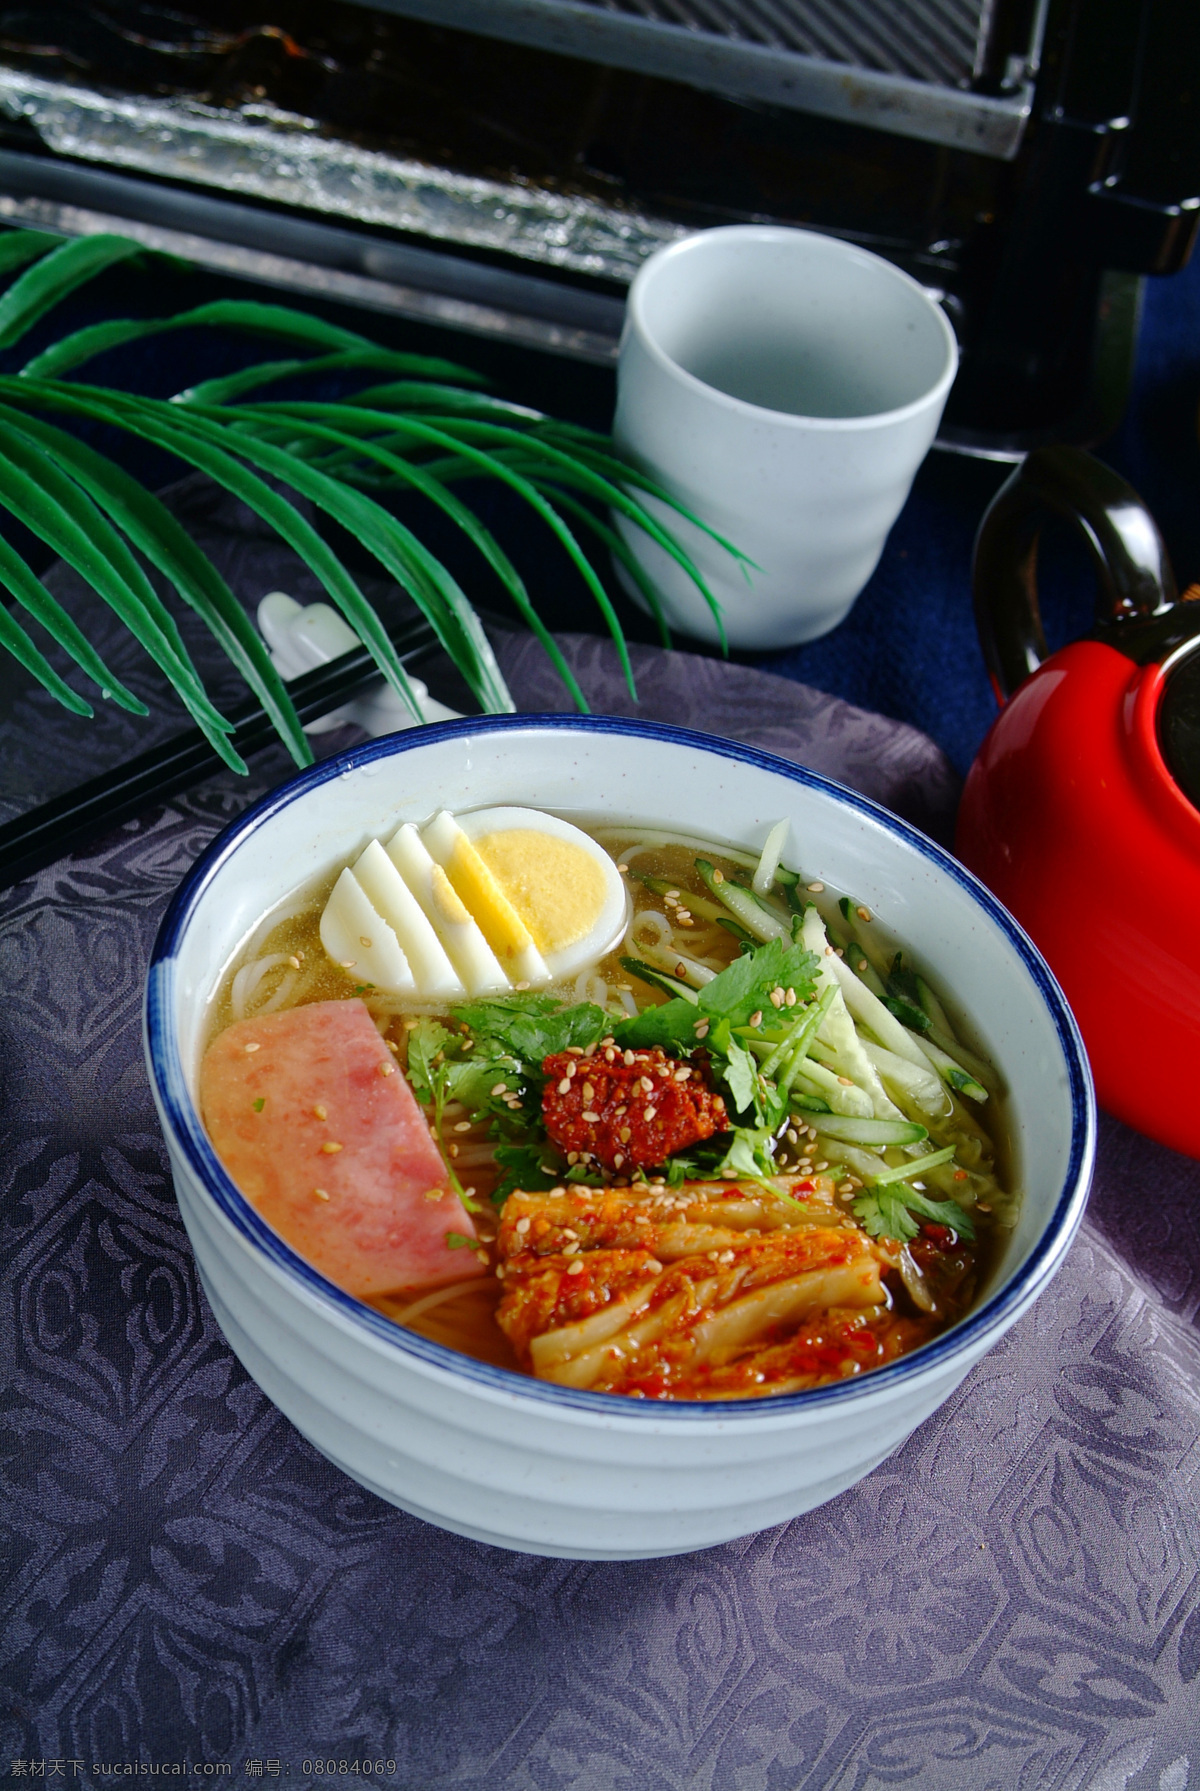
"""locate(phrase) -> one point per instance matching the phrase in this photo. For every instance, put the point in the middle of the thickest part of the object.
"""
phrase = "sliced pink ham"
(319, 1129)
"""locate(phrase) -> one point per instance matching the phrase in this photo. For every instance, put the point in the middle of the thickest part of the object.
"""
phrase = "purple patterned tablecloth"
(1011, 1603)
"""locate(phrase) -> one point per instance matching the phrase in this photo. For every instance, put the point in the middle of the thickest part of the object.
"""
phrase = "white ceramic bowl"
(518, 1462)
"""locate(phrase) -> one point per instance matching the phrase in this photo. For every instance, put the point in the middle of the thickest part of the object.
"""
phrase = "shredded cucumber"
(745, 907)
(878, 1132)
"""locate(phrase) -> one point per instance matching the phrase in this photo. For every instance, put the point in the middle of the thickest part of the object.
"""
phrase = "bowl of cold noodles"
(603, 1140)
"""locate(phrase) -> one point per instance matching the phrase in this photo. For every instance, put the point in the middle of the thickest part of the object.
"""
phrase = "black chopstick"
(93, 808)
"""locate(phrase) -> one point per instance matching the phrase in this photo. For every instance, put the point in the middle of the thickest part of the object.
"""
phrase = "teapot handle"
(1133, 571)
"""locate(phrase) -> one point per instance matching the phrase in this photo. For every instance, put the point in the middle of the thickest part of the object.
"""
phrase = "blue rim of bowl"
(166, 1067)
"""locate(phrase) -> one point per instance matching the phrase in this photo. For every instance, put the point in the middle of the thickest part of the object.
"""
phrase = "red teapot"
(1082, 809)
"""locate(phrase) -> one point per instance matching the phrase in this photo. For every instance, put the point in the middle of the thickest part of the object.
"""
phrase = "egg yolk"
(494, 914)
(555, 887)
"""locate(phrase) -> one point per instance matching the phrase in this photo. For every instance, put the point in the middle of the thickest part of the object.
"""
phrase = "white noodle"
(648, 842)
(591, 986)
(768, 864)
(245, 983)
(275, 918)
(283, 993)
(429, 1300)
(648, 921)
(628, 1003)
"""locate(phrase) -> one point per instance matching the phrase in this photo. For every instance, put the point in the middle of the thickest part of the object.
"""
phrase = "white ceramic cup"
(785, 386)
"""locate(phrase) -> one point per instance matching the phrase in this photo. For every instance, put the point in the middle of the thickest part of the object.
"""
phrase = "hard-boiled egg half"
(475, 904)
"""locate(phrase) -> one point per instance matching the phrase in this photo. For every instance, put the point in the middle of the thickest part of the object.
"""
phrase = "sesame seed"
(672, 895)
(464, 1125)
(320, 1194)
(823, 1164)
(863, 913)
(387, 1069)
(252, 1046)
(791, 1135)
(349, 963)
(829, 951)
(981, 1207)
(564, 1086)
(790, 998)
(500, 1271)
(589, 1093)
(701, 1029)
(682, 1075)
(410, 1024)
(685, 916)
(330, 1148)
(726, 1256)
(681, 970)
(622, 868)
(641, 1219)
(294, 961)
(718, 876)
(654, 1267)
(650, 1112)
(576, 1268)
(453, 1150)
(816, 888)
(624, 1135)
(610, 1055)
(363, 940)
(628, 1058)
(590, 1116)
(521, 985)
(434, 1193)
(320, 1113)
(500, 1088)
(776, 997)
(756, 1017)
(392, 1045)
(523, 1225)
(618, 1159)
(646, 1085)
(574, 1051)
(846, 1081)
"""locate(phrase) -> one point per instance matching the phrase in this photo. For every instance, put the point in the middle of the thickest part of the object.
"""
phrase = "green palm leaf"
(152, 529)
(425, 428)
(54, 277)
(15, 640)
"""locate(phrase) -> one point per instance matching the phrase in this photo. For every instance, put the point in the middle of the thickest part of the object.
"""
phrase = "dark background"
(908, 649)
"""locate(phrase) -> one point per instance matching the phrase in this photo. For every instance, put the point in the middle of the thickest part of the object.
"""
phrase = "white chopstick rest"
(465, 945)
(390, 894)
(358, 938)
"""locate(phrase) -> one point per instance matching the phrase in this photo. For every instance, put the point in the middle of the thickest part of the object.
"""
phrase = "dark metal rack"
(913, 67)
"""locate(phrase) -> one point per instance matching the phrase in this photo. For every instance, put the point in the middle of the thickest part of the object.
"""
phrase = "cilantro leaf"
(426, 1039)
(529, 1028)
(532, 1167)
(741, 1078)
(887, 1211)
(749, 1155)
(741, 989)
